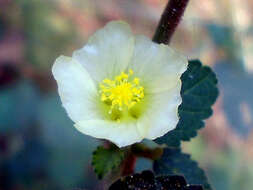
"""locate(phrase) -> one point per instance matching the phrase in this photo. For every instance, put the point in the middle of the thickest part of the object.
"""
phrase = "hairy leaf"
(106, 159)
(174, 162)
(147, 181)
(199, 92)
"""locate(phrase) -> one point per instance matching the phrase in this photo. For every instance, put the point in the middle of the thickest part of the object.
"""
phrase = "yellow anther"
(124, 75)
(136, 81)
(122, 92)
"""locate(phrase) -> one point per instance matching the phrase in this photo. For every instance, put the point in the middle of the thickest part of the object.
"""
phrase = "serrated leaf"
(199, 92)
(147, 181)
(174, 162)
(106, 159)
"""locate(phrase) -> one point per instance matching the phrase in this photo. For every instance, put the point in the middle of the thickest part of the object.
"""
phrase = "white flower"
(121, 87)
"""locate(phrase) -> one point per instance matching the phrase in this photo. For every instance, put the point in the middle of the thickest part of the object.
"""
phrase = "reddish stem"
(129, 165)
(141, 150)
(170, 19)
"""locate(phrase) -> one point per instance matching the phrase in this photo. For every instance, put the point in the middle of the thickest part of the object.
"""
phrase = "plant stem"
(129, 165)
(141, 150)
(169, 21)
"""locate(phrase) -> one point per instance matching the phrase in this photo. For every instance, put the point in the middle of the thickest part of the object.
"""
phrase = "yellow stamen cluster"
(122, 92)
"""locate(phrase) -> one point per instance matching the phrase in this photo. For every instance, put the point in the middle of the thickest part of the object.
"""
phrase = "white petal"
(162, 115)
(76, 88)
(108, 51)
(122, 134)
(157, 65)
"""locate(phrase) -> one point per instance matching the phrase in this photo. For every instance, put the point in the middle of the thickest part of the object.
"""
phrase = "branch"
(129, 165)
(141, 150)
(170, 19)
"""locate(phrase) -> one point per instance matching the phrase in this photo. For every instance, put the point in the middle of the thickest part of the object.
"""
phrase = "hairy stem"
(169, 21)
(141, 150)
(129, 165)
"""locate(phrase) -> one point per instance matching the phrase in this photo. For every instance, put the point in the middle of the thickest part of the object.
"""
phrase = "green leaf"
(199, 92)
(147, 181)
(174, 162)
(106, 159)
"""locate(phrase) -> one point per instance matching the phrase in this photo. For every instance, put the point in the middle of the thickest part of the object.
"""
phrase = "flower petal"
(108, 51)
(76, 88)
(122, 134)
(158, 66)
(162, 115)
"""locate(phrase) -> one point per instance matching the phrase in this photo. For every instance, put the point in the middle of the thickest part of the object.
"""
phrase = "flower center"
(122, 92)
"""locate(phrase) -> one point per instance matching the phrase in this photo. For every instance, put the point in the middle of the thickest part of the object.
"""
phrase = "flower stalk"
(169, 21)
(141, 150)
(129, 165)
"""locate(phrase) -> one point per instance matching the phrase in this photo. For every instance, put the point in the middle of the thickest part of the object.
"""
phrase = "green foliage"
(106, 159)
(147, 181)
(174, 162)
(199, 92)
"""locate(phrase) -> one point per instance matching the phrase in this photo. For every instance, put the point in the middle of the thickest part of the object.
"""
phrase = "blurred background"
(40, 148)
